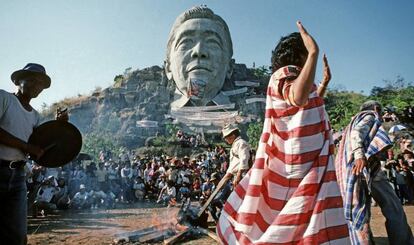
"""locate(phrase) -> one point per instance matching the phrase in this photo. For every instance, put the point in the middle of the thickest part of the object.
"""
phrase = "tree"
(95, 142)
(342, 106)
(398, 93)
(261, 72)
(254, 132)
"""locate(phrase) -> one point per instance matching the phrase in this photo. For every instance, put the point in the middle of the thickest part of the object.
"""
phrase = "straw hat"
(228, 129)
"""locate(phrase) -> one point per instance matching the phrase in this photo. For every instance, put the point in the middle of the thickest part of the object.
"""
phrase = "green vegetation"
(342, 106)
(172, 130)
(96, 141)
(261, 72)
(254, 131)
(398, 93)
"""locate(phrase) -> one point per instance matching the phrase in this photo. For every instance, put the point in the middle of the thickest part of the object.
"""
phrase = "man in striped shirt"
(366, 149)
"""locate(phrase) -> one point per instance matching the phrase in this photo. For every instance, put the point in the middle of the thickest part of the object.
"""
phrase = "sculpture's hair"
(198, 12)
(289, 51)
(370, 105)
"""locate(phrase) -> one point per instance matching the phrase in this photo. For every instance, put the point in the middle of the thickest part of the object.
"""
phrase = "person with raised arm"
(290, 195)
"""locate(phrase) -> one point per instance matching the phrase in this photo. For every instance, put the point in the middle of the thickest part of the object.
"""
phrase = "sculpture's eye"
(185, 43)
(214, 43)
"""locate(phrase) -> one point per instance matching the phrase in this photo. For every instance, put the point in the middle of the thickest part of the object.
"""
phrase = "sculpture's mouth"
(199, 68)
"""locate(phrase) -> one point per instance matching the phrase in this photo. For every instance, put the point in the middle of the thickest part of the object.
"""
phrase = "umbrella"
(396, 128)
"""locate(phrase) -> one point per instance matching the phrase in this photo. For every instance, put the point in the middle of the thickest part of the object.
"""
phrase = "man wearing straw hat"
(239, 153)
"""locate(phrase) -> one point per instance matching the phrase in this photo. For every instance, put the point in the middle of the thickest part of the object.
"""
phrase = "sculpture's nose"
(199, 51)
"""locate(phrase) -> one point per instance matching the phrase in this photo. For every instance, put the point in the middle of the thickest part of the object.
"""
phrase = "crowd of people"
(400, 170)
(128, 178)
(124, 179)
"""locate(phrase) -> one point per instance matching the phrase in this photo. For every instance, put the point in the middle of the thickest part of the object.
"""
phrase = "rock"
(146, 95)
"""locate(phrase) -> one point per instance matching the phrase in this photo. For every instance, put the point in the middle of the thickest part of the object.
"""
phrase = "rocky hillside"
(138, 104)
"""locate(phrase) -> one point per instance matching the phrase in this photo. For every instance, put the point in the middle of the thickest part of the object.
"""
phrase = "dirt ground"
(101, 226)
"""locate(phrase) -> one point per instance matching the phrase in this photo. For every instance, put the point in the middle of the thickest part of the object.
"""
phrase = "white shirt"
(46, 194)
(80, 196)
(126, 172)
(17, 121)
(171, 191)
(239, 156)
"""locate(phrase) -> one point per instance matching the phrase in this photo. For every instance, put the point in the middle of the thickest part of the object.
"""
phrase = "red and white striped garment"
(290, 195)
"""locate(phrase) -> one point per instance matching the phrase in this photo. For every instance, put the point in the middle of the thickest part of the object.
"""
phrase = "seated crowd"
(124, 179)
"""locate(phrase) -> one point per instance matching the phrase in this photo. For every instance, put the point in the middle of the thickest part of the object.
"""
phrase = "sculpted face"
(199, 59)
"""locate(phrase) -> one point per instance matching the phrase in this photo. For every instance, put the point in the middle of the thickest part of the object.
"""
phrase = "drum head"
(61, 141)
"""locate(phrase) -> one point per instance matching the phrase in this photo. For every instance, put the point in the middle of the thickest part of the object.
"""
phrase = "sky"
(84, 44)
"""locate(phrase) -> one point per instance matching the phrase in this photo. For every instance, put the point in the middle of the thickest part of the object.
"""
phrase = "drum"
(61, 141)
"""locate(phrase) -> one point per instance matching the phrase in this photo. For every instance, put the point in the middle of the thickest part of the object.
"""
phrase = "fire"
(166, 219)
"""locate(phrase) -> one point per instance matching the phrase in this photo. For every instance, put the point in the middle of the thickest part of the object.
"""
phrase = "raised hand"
(326, 77)
(303, 84)
(62, 114)
(308, 40)
(326, 71)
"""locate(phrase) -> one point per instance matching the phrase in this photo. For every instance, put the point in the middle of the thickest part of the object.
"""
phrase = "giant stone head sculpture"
(199, 57)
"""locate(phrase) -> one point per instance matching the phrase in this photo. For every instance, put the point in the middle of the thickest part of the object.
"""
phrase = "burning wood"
(177, 237)
(189, 222)
(157, 236)
(135, 236)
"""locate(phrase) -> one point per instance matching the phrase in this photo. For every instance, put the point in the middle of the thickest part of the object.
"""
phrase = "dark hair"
(170, 183)
(289, 51)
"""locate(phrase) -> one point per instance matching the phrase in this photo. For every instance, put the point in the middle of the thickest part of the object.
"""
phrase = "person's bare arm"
(161, 192)
(10, 140)
(326, 77)
(239, 176)
(302, 86)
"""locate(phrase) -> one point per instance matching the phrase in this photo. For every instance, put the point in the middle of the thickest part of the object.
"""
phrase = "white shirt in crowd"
(171, 191)
(126, 172)
(45, 194)
(239, 156)
(80, 196)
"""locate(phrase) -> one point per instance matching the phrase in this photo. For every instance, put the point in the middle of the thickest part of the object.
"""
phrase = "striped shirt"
(290, 195)
(364, 137)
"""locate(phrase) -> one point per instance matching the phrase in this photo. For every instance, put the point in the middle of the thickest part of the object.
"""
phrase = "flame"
(166, 219)
(179, 227)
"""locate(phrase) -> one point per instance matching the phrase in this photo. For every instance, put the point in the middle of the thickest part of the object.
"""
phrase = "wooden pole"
(219, 186)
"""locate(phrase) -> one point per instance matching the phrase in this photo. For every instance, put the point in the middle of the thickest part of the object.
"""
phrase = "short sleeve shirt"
(17, 121)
